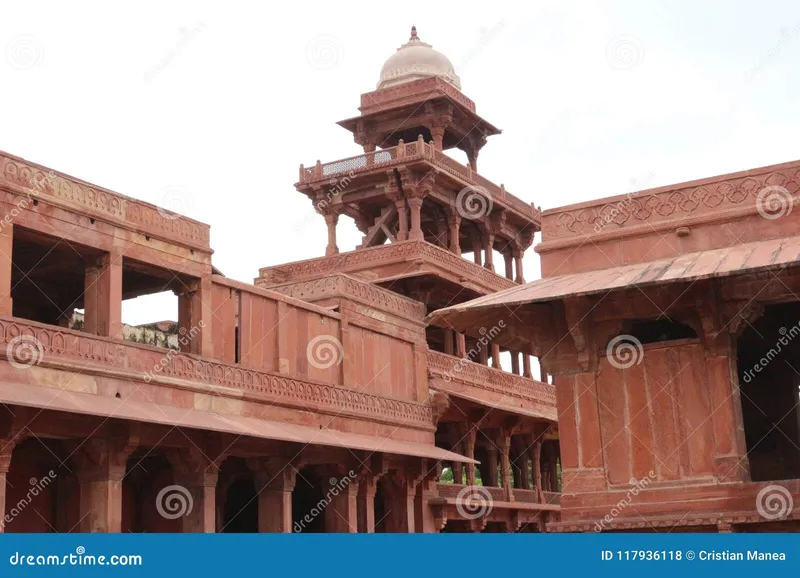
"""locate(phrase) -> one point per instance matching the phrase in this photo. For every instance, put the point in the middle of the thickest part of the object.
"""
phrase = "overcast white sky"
(209, 108)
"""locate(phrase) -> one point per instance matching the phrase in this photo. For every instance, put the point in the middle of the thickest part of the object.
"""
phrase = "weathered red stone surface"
(320, 383)
(667, 318)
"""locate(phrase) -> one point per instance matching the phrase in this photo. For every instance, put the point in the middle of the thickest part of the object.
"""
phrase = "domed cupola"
(415, 60)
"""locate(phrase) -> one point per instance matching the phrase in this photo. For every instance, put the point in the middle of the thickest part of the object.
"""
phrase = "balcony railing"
(368, 260)
(417, 151)
(521, 496)
(535, 396)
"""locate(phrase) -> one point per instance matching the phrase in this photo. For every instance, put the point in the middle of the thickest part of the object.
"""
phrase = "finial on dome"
(413, 33)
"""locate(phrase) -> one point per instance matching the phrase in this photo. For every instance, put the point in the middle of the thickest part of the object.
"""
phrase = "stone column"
(454, 222)
(554, 466)
(514, 362)
(341, 515)
(477, 248)
(437, 132)
(275, 480)
(496, 356)
(536, 466)
(331, 220)
(490, 477)
(401, 504)
(424, 520)
(198, 476)
(483, 355)
(488, 249)
(505, 464)
(100, 469)
(509, 262)
(103, 297)
(402, 219)
(518, 264)
(195, 315)
(526, 366)
(461, 345)
(469, 443)
(7, 445)
(415, 206)
(6, 247)
(449, 345)
(367, 488)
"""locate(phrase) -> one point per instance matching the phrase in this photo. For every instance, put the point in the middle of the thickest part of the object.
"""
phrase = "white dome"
(415, 60)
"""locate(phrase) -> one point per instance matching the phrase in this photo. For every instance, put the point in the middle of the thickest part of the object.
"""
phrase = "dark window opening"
(657, 330)
(767, 365)
(308, 503)
(241, 508)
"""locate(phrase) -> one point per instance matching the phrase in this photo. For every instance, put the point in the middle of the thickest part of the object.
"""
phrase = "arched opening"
(308, 503)
(241, 508)
(769, 377)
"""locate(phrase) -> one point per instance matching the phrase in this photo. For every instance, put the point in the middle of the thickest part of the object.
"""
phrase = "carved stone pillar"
(454, 222)
(7, 445)
(461, 345)
(275, 479)
(526, 366)
(518, 264)
(402, 219)
(195, 316)
(514, 362)
(490, 476)
(476, 248)
(367, 488)
(536, 467)
(504, 446)
(198, 476)
(424, 519)
(469, 436)
(341, 515)
(509, 262)
(415, 207)
(101, 466)
(103, 296)
(331, 220)
(496, 356)
(6, 248)
(449, 342)
(488, 249)
(400, 506)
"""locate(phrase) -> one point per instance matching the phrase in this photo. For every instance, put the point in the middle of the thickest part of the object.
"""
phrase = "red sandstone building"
(316, 399)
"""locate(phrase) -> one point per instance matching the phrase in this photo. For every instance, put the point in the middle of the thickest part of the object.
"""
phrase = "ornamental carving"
(667, 205)
(64, 345)
(103, 203)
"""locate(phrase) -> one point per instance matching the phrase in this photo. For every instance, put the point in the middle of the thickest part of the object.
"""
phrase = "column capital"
(275, 472)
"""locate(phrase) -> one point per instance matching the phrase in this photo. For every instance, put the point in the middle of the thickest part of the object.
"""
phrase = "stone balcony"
(491, 387)
(418, 153)
(387, 263)
(514, 508)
